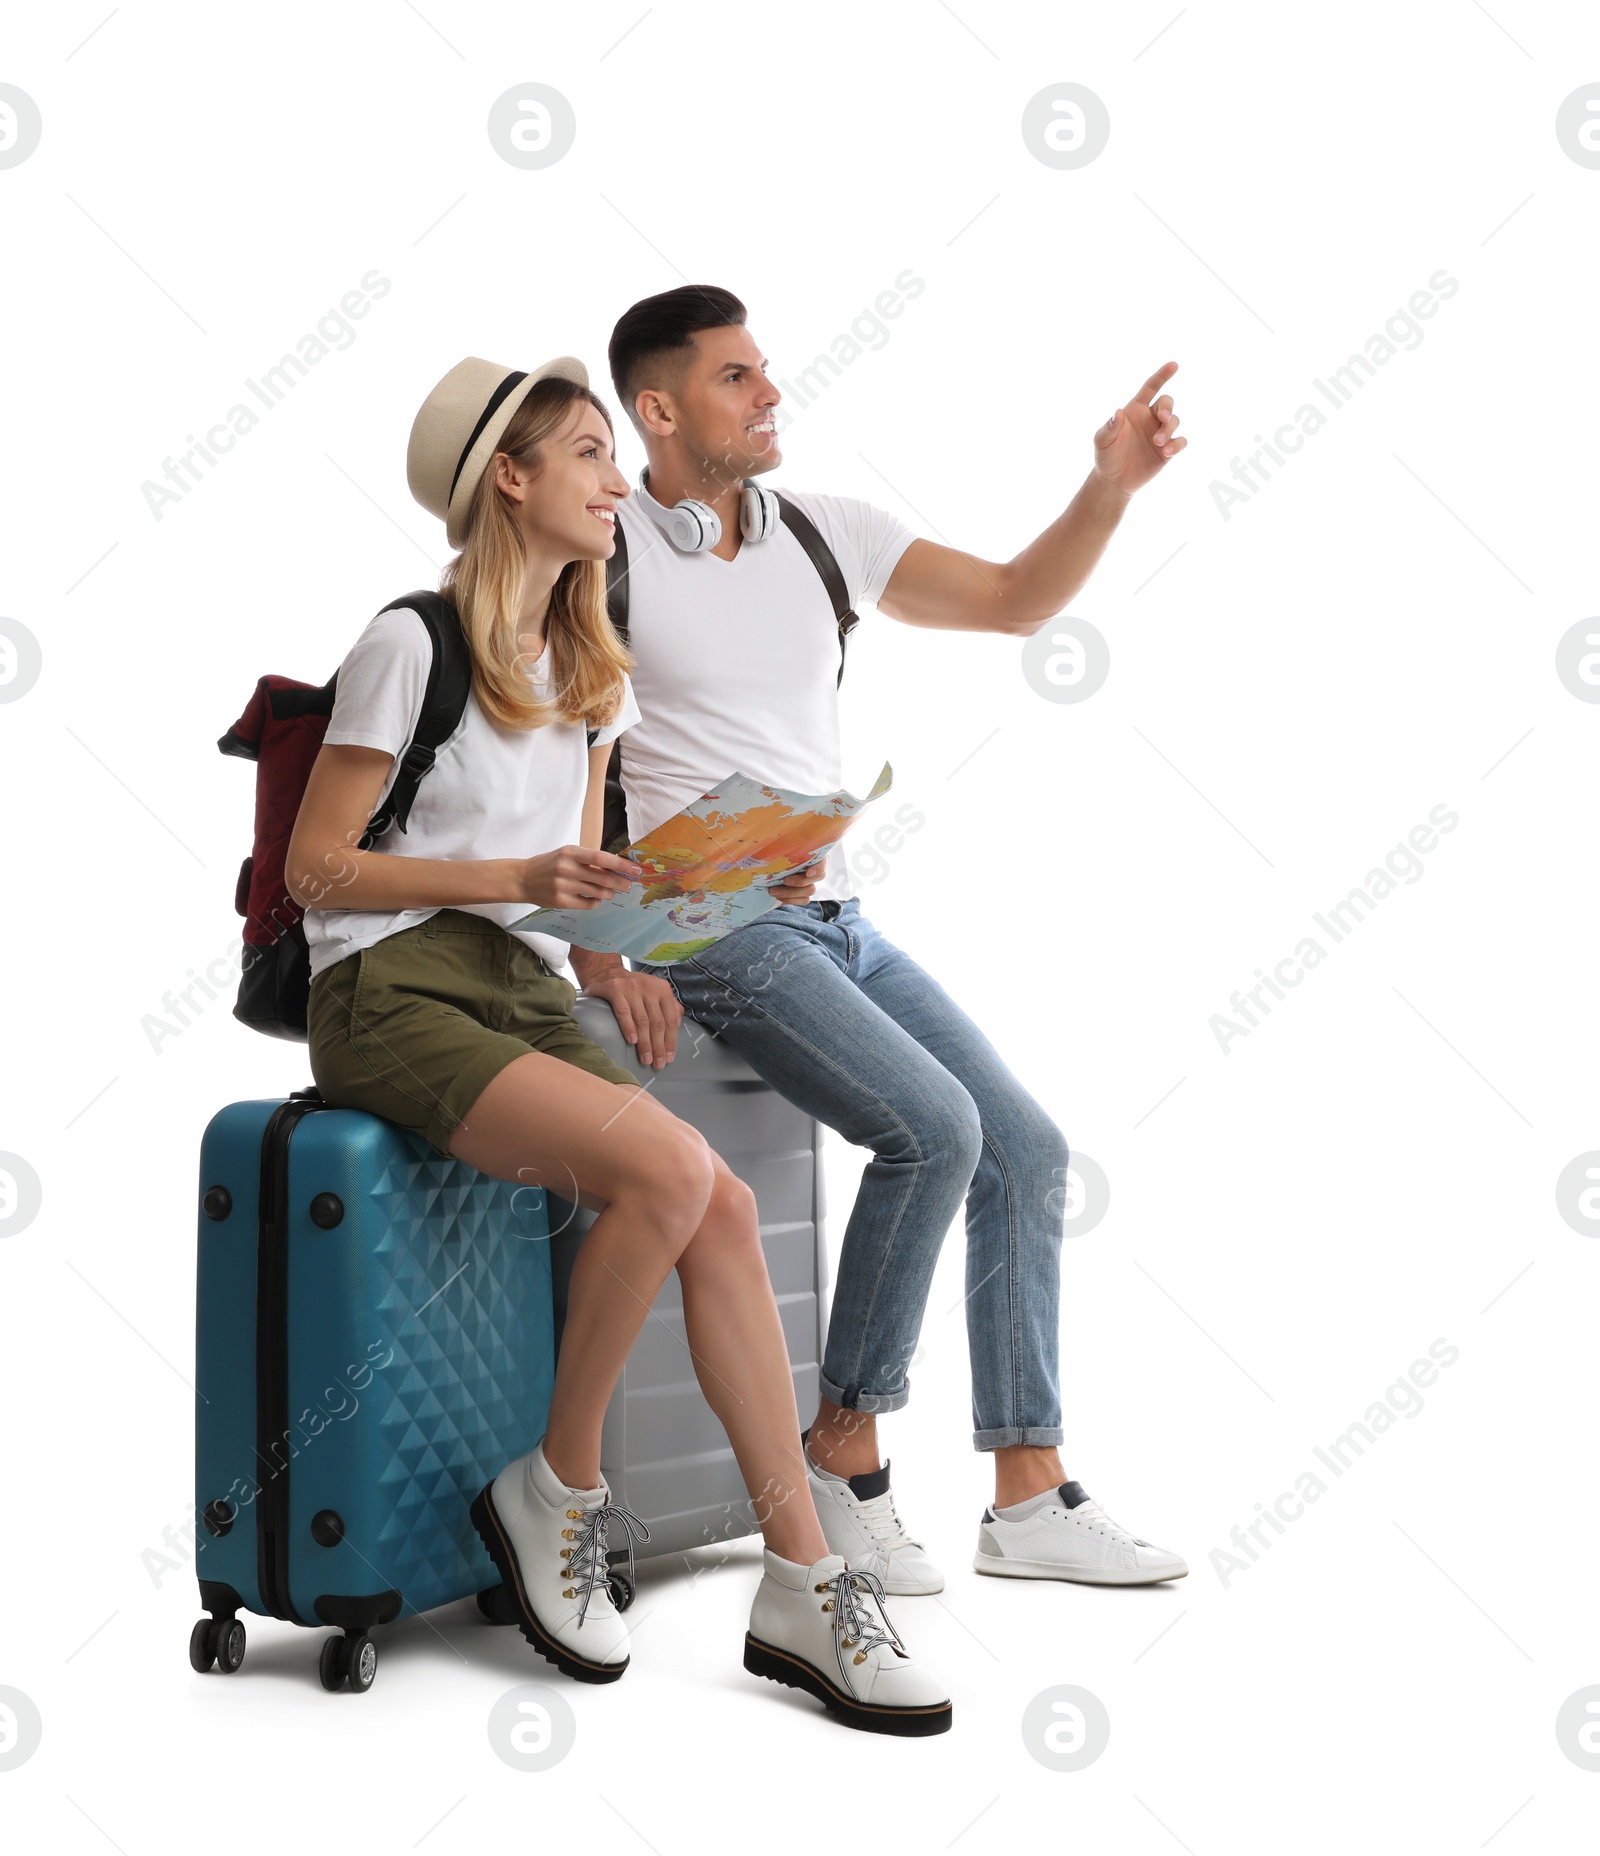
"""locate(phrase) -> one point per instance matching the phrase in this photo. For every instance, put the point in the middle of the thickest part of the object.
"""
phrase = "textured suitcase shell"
(662, 1450)
(420, 1355)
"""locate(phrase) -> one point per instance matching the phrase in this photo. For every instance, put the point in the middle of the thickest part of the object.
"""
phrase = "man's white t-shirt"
(736, 662)
(492, 791)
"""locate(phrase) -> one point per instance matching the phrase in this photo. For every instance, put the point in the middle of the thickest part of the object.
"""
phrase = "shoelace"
(854, 1627)
(588, 1559)
(1094, 1512)
(884, 1523)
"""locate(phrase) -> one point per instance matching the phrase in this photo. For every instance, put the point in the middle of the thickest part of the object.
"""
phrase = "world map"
(709, 869)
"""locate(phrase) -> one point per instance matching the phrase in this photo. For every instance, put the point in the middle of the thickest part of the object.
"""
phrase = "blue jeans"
(850, 1029)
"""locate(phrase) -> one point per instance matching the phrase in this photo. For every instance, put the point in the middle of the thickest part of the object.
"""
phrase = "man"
(736, 656)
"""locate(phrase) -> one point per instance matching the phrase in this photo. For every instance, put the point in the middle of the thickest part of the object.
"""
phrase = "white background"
(1293, 687)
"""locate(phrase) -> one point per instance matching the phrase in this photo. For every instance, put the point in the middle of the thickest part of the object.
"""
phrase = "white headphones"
(696, 526)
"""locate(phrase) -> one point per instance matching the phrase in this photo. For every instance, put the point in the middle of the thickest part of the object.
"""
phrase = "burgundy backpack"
(281, 730)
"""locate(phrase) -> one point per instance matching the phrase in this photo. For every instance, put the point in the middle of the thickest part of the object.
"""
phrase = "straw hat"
(459, 428)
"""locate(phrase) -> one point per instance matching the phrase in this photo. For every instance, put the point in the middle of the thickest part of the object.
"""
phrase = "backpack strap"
(617, 585)
(821, 557)
(614, 829)
(444, 702)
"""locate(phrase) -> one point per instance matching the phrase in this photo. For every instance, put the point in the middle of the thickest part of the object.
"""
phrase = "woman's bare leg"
(668, 1201)
(735, 1335)
(544, 1122)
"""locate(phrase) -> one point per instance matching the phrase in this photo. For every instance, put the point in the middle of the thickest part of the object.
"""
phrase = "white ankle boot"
(548, 1543)
(826, 1629)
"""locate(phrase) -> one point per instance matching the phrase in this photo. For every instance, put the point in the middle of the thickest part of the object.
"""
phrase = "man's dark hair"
(660, 325)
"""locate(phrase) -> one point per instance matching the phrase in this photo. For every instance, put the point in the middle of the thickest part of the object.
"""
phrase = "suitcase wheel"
(230, 1644)
(621, 1587)
(201, 1653)
(216, 1640)
(497, 1605)
(350, 1661)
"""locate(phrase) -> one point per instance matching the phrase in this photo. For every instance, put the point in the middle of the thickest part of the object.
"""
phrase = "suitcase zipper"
(272, 1355)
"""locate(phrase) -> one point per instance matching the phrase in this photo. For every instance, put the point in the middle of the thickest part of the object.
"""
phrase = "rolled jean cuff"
(869, 1402)
(1040, 1434)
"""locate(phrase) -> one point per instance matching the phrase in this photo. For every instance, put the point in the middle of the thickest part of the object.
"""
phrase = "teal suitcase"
(374, 1341)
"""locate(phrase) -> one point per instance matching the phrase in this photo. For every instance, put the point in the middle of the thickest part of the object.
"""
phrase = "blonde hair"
(485, 582)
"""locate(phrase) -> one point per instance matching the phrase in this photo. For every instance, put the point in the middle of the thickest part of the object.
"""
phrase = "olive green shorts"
(415, 1027)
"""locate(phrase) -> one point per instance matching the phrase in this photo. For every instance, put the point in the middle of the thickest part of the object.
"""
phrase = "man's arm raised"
(949, 590)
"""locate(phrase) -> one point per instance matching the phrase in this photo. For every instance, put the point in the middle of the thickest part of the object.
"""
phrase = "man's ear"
(655, 412)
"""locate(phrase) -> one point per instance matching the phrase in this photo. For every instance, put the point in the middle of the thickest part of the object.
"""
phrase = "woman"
(426, 1009)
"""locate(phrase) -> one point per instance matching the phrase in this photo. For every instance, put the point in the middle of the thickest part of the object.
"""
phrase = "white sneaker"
(1070, 1537)
(548, 1544)
(859, 1521)
(825, 1629)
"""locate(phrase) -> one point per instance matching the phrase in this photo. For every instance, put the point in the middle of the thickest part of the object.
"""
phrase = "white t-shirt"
(492, 791)
(736, 662)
